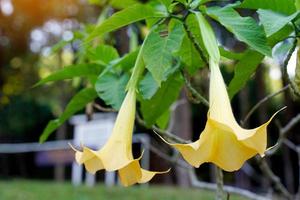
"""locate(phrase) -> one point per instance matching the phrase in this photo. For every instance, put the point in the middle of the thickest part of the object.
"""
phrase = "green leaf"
(243, 71)
(196, 3)
(72, 71)
(282, 6)
(230, 54)
(194, 29)
(297, 4)
(121, 4)
(244, 28)
(111, 88)
(153, 108)
(267, 19)
(128, 60)
(76, 104)
(102, 54)
(208, 37)
(158, 51)
(166, 3)
(97, 2)
(148, 86)
(163, 121)
(248, 64)
(280, 35)
(124, 17)
(189, 55)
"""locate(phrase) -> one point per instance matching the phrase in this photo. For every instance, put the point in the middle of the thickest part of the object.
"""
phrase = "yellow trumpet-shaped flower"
(223, 142)
(116, 154)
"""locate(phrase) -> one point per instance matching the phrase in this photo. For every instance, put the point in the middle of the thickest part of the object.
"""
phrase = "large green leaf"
(148, 86)
(297, 4)
(128, 60)
(192, 26)
(243, 71)
(208, 37)
(158, 51)
(153, 108)
(124, 17)
(244, 28)
(102, 54)
(282, 6)
(163, 121)
(267, 19)
(166, 3)
(120, 4)
(76, 104)
(189, 55)
(249, 62)
(72, 71)
(111, 88)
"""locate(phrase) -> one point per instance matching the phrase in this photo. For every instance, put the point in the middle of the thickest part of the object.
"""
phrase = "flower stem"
(137, 70)
(220, 184)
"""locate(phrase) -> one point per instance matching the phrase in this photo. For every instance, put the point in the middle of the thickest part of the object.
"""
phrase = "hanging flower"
(223, 142)
(116, 154)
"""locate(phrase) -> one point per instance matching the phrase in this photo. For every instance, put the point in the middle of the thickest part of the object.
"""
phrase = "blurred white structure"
(94, 134)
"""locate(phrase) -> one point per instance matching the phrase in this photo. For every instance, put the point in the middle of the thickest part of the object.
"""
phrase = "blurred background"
(38, 37)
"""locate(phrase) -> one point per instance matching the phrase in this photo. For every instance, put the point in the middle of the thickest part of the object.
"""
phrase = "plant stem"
(220, 184)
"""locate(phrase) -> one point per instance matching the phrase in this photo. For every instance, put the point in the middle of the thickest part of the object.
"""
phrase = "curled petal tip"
(72, 147)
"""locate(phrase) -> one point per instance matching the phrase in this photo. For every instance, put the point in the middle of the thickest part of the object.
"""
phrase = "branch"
(285, 72)
(272, 177)
(282, 134)
(162, 133)
(198, 98)
(257, 105)
(103, 109)
(227, 189)
(220, 183)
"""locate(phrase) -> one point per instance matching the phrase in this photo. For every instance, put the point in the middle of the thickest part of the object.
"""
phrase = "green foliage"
(230, 54)
(172, 41)
(111, 88)
(163, 121)
(102, 54)
(153, 108)
(244, 28)
(148, 86)
(158, 51)
(267, 19)
(194, 29)
(126, 62)
(118, 4)
(124, 17)
(281, 6)
(243, 71)
(22, 116)
(208, 37)
(189, 56)
(76, 104)
(72, 71)
(297, 4)
(121, 4)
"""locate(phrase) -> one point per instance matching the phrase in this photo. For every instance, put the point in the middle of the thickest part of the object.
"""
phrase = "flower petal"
(148, 175)
(90, 160)
(226, 151)
(130, 174)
